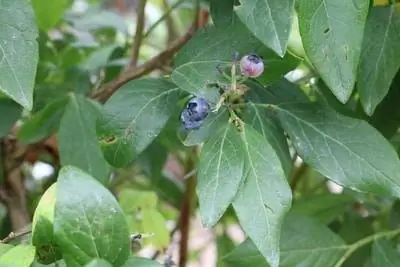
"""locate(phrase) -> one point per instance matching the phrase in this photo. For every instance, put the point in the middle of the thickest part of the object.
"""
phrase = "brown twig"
(137, 42)
(14, 235)
(131, 73)
(184, 220)
(169, 22)
(12, 190)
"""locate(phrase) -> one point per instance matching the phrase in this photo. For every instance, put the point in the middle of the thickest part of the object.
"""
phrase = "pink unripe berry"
(251, 65)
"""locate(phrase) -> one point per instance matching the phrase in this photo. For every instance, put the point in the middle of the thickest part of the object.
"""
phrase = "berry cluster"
(197, 108)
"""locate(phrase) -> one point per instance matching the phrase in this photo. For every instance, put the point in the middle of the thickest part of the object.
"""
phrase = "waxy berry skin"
(196, 111)
(251, 65)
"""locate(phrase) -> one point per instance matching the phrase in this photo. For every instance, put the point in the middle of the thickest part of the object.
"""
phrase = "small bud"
(251, 65)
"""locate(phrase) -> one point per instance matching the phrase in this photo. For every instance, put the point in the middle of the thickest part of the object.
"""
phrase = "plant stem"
(362, 242)
(141, 15)
(184, 220)
(13, 235)
(162, 18)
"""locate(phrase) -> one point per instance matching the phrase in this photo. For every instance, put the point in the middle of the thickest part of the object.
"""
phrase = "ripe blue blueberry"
(196, 111)
(251, 65)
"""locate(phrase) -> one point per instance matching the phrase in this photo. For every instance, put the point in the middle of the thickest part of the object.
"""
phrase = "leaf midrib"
(340, 144)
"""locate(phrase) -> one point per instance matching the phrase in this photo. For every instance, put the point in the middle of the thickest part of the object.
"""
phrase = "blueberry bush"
(272, 126)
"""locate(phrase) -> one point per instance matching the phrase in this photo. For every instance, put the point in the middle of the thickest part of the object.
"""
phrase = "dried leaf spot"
(109, 139)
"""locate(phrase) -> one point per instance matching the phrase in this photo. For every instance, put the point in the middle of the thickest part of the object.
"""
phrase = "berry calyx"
(251, 65)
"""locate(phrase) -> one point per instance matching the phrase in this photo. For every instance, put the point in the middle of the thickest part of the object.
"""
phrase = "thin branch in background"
(163, 17)
(198, 19)
(132, 73)
(17, 234)
(169, 21)
(184, 220)
(137, 42)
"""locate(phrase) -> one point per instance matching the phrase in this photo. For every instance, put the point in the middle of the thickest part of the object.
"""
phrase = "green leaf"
(324, 207)
(77, 138)
(265, 196)
(220, 173)
(269, 20)
(380, 58)
(211, 124)
(100, 19)
(153, 222)
(353, 228)
(88, 221)
(99, 58)
(134, 116)
(19, 256)
(141, 262)
(44, 123)
(9, 114)
(279, 92)
(98, 263)
(18, 51)
(222, 12)
(386, 118)
(4, 248)
(304, 242)
(132, 200)
(266, 125)
(346, 150)
(332, 33)
(196, 64)
(42, 227)
(48, 13)
(384, 254)
(152, 161)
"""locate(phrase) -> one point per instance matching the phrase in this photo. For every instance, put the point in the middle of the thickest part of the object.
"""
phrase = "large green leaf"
(48, 13)
(304, 242)
(348, 151)
(279, 92)
(222, 12)
(4, 248)
(43, 123)
(9, 114)
(141, 262)
(332, 34)
(99, 58)
(266, 125)
(18, 51)
(154, 222)
(354, 228)
(134, 116)
(384, 254)
(152, 161)
(264, 197)
(196, 64)
(77, 138)
(269, 20)
(19, 256)
(88, 221)
(42, 228)
(211, 124)
(220, 173)
(98, 263)
(380, 58)
(324, 207)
